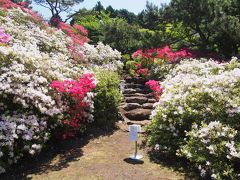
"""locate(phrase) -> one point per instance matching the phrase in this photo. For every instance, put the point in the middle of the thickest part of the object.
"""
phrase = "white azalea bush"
(197, 92)
(102, 56)
(32, 56)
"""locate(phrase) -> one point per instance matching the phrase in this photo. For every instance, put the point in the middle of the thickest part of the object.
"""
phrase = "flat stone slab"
(138, 114)
(144, 91)
(136, 99)
(131, 106)
(133, 85)
(152, 100)
(142, 123)
(147, 106)
(138, 80)
(129, 91)
(148, 95)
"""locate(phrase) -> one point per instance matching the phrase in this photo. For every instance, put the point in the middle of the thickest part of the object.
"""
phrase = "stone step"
(136, 99)
(148, 95)
(130, 106)
(136, 90)
(138, 80)
(138, 114)
(152, 100)
(142, 123)
(147, 106)
(133, 85)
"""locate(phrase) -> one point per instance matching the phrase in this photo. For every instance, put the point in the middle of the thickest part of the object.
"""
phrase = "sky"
(135, 6)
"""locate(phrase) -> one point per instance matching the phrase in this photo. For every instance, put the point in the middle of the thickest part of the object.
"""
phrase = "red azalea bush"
(142, 72)
(164, 53)
(148, 60)
(78, 35)
(155, 87)
(75, 93)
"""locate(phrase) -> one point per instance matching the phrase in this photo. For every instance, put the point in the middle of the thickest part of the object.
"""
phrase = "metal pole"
(135, 155)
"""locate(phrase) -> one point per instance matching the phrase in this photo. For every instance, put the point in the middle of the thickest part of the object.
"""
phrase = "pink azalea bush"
(78, 35)
(155, 87)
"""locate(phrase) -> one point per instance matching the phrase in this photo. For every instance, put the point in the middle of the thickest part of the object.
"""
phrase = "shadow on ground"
(66, 150)
(132, 161)
(174, 162)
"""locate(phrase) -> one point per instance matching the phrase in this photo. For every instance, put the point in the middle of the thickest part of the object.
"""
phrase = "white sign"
(133, 132)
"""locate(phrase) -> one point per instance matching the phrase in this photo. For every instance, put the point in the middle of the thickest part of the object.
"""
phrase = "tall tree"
(215, 23)
(58, 6)
(151, 16)
(130, 17)
(111, 11)
(98, 7)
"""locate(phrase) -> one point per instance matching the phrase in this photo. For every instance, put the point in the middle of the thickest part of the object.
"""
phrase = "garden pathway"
(101, 154)
(99, 157)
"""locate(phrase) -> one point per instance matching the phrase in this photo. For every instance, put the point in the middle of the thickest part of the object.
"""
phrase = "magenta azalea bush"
(155, 87)
(4, 37)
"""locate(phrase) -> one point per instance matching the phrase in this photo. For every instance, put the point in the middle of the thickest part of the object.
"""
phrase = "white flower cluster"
(34, 57)
(215, 148)
(26, 128)
(196, 92)
(100, 54)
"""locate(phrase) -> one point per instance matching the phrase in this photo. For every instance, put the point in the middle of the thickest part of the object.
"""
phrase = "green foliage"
(205, 25)
(131, 67)
(160, 68)
(92, 23)
(121, 35)
(107, 99)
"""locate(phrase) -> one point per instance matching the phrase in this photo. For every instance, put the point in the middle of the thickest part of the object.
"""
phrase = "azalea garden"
(59, 78)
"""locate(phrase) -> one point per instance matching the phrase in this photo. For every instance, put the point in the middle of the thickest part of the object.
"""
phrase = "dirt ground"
(95, 157)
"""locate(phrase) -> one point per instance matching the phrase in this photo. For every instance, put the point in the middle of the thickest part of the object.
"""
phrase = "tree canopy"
(58, 6)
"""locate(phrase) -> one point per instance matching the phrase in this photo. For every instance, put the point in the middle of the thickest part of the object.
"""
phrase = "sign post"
(133, 135)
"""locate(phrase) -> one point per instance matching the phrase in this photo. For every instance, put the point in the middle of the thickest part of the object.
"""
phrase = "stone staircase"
(138, 101)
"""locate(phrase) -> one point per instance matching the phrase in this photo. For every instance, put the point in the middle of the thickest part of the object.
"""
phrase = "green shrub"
(126, 58)
(107, 99)
(131, 67)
